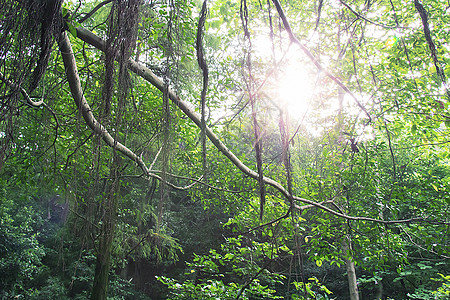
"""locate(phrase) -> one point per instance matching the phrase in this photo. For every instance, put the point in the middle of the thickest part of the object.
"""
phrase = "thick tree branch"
(77, 94)
(149, 76)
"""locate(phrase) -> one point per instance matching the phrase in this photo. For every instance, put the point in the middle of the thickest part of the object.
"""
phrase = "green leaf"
(435, 187)
(72, 29)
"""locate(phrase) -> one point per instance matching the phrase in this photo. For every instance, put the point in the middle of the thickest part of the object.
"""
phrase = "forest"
(224, 149)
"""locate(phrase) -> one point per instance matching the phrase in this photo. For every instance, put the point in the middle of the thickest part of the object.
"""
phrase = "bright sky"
(295, 87)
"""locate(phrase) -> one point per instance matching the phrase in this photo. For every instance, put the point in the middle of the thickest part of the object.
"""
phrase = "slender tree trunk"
(347, 243)
(351, 273)
(103, 263)
(100, 287)
(379, 295)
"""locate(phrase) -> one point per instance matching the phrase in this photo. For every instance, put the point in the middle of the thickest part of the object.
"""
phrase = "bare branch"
(22, 90)
(77, 94)
(35, 104)
(365, 19)
(149, 76)
(76, 149)
(199, 181)
(89, 14)
(175, 187)
(156, 157)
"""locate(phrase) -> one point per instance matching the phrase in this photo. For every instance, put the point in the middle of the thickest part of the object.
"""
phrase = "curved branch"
(149, 76)
(35, 104)
(175, 187)
(22, 90)
(89, 14)
(199, 181)
(77, 94)
(204, 67)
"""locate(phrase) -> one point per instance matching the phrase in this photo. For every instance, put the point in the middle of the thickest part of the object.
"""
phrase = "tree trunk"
(100, 287)
(346, 244)
(379, 295)
(103, 263)
(351, 273)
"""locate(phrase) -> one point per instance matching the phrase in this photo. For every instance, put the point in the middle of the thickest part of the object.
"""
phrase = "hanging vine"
(204, 67)
(252, 97)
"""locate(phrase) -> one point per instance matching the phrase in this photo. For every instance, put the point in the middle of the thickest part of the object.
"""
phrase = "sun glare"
(292, 87)
(295, 90)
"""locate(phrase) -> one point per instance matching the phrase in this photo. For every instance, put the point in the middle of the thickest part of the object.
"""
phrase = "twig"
(84, 218)
(22, 90)
(253, 278)
(154, 160)
(422, 248)
(365, 19)
(89, 14)
(76, 149)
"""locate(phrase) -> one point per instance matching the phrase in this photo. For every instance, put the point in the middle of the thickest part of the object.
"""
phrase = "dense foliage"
(279, 150)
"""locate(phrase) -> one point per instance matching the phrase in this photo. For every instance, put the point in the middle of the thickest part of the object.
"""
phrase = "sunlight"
(295, 90)
(296, 86)
(292, 87)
